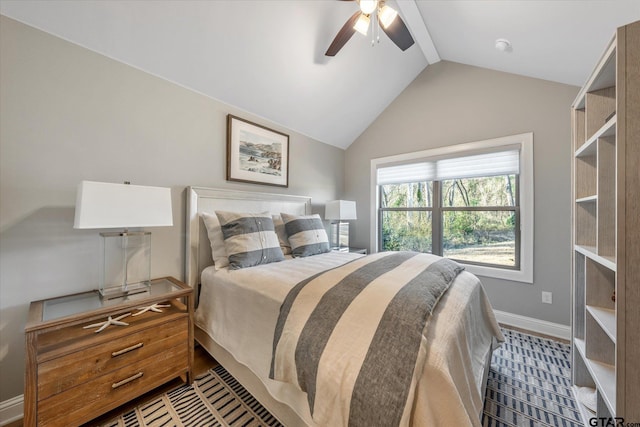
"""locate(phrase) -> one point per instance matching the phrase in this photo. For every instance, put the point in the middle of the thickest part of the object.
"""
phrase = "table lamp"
(125, 256)
(338, 212)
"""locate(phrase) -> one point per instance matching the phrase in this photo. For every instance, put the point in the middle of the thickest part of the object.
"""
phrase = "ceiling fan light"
(362, 24)
(368, 6)
(387, 15)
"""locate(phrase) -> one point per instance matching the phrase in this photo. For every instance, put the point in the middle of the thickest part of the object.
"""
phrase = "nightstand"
(352, 250)
(75, 374)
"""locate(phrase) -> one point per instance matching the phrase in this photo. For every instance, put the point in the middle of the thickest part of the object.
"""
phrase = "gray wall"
(69, 114)
(450, 103)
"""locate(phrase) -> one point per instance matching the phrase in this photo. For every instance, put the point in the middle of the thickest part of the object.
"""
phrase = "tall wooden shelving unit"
(606, 230)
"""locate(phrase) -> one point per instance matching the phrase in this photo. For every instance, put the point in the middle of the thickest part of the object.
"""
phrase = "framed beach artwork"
(256, 154)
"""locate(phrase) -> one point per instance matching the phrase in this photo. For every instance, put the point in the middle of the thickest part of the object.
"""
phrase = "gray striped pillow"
(306, 234)
(250, 239)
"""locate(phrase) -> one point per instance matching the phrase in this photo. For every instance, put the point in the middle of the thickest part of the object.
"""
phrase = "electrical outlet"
(547, 297)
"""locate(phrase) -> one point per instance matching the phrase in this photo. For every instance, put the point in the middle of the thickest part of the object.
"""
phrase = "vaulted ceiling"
(267, 56)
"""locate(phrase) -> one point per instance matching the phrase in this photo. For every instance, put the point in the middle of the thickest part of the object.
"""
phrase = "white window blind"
(505, 162)
(410, 172)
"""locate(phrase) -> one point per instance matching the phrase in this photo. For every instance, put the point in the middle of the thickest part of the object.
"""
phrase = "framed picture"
(256, 154)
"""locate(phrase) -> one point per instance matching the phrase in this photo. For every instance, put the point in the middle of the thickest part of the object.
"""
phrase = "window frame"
(524, 239)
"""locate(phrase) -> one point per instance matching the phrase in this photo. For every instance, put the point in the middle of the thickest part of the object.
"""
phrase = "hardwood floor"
(202, 362)
(15, 424)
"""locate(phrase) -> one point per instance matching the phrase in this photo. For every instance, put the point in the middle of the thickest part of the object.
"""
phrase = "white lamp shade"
(107, 205)
(340, 210)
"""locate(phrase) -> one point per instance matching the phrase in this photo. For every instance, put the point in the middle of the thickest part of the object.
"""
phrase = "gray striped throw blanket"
(352, 337)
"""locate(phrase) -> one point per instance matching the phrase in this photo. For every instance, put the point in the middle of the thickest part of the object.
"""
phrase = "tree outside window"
(474, 220)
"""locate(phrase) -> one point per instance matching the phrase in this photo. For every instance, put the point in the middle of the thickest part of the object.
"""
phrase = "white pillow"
(218, 251)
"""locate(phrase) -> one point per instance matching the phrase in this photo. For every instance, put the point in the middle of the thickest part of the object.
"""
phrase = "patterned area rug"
(215, 399)
(529, 385)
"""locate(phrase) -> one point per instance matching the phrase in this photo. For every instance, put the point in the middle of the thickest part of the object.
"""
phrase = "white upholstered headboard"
(200, 199)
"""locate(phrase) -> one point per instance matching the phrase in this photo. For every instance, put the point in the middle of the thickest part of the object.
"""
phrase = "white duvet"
(239, 309)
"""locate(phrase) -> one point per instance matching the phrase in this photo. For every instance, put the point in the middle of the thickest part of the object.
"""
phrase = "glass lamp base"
(339, 235)
(120, 291)
(125, 263)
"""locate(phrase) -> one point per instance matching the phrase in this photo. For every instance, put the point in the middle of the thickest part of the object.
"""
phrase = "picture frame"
(256, 154)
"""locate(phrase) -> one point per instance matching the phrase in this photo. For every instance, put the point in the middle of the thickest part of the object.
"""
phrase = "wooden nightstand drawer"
(114, 388)
(65, 372)
(75, 374)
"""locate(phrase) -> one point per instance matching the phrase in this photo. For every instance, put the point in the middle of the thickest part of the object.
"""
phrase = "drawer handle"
(127, 380)
(126, 350)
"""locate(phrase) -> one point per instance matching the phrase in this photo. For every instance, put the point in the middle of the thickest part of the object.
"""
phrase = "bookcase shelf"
(590, 252)
(588, 199)
(604, 376)
(589, 147)
(606, 231)
(606, 318)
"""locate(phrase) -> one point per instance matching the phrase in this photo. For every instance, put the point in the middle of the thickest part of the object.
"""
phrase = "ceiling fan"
(387, 18)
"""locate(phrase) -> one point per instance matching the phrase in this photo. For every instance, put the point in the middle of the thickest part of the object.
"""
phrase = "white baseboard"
(534, 325)
(11, 410)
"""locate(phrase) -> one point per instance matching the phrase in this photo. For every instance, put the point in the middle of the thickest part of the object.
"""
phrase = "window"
(465, 202)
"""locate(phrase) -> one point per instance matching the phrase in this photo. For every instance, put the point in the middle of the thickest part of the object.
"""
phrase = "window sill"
(499, 273)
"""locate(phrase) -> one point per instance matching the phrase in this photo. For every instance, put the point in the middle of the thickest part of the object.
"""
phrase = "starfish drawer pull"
(109, 321)
(152, 307)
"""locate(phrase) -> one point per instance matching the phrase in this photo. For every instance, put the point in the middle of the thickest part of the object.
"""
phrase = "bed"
(239, 310)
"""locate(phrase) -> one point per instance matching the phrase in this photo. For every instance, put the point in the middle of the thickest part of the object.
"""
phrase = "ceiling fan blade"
(343, 35)
(399, 33)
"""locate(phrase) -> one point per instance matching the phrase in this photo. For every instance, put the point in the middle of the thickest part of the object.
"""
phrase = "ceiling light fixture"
(362, 24)
(387, 15)
(370, 12)
(368, 6)
(503, 45)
